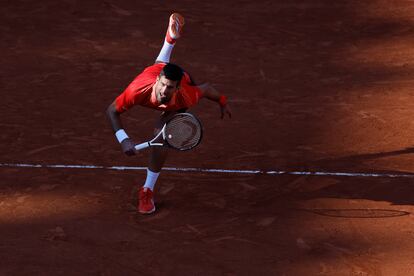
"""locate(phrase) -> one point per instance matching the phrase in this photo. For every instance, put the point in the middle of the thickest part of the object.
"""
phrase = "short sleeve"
(135, 93)
(191, 94)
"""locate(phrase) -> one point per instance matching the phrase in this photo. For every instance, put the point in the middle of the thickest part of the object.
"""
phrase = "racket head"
(183, 131)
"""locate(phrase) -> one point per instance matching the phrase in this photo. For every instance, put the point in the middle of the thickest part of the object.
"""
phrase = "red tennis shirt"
(140, 92)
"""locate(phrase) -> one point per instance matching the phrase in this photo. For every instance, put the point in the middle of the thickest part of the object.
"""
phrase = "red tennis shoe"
(175, 27)
(145, 201)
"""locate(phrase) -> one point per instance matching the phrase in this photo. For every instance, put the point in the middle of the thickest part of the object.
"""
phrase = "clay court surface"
(314, 86)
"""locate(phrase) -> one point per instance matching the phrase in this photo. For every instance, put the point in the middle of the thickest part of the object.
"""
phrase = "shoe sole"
(147, 212)
(176, 24)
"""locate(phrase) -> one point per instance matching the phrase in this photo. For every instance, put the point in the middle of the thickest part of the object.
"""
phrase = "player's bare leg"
(158, 156)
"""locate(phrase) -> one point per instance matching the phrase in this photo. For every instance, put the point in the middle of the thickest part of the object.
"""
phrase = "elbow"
(108, 111)
(111, 111)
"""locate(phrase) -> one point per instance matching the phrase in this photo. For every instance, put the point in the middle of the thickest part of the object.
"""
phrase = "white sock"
(165, 52)
(151, 179)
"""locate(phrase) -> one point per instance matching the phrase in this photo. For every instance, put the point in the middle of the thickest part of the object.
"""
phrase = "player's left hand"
(225, 110)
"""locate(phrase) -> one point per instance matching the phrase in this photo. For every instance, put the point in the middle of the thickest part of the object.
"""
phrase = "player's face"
(164, 89)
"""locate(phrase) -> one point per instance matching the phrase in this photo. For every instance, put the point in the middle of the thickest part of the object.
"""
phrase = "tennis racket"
(182, 132)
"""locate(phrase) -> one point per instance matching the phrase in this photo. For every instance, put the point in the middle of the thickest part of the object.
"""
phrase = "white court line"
(251, 172)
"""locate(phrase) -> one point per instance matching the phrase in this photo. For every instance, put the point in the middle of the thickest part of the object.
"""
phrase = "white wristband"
(121, 135)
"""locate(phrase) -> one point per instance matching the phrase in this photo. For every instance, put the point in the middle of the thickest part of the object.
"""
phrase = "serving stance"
(166, 87)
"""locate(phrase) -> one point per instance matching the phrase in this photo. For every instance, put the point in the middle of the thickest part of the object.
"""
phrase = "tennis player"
(166, 87)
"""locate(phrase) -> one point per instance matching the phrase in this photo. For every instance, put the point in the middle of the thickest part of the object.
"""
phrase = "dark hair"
(172, 72)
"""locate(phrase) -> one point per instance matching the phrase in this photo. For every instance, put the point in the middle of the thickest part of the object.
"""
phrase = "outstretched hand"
(225, 110)
(212, 94)
(128, 147)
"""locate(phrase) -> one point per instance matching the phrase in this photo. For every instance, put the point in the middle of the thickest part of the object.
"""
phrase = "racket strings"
(183, 132)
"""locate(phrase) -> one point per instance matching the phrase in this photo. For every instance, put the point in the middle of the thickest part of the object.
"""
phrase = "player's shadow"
(396, 190)
(357, 160)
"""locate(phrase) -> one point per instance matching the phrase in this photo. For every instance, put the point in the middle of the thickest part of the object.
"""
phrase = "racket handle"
(142, 146)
